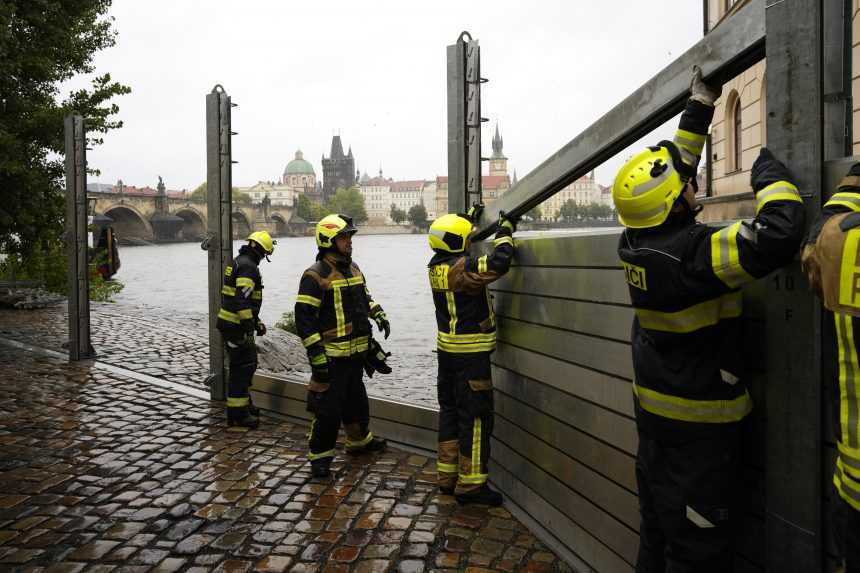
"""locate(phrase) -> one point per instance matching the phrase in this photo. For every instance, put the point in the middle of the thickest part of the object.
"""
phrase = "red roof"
(441, 179)
(415, 185)
(495, 181)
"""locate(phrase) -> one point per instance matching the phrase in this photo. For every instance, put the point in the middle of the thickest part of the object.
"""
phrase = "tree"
(241, 198)
(42, 45)
(534, 214)
(199, 193)
(349, 202)
(418, 216)
(397, 215)
(307, 209)
(569, 211)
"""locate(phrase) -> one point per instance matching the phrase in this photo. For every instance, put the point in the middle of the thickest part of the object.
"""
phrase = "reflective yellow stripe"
(238, 402)
(476, 446)
(503, 241)
(319, 360)
(849, 269)
(257, 295)
(348, 347)
(848, 488)
(686, 410)
(444, 468)
(849, 375)
(779, 191)
(360, 443)
(326, 454)
(244, 282)
(850, 459)
(338, 311)
(308, 299)
(466, 338)
(315, 337)
(352, 281)
(470, 479)
(491, 314)
(245, 314)
(466, 348)
(452, 312)
(482, 264)
(692, 318)
(694, 142)
(725, 257)
(845, 199)
(228, 316)
(228, 290)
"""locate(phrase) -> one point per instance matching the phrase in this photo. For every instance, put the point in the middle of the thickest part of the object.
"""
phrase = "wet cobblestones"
(100, 472)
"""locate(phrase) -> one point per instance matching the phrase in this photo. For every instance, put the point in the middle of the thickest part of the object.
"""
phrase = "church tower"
(498, 161)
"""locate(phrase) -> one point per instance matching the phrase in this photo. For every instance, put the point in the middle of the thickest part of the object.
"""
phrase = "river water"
(174, 277)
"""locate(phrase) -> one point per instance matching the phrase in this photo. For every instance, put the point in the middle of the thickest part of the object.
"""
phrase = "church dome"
(299, 166)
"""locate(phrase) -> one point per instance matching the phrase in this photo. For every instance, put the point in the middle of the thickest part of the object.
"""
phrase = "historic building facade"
(338, 169)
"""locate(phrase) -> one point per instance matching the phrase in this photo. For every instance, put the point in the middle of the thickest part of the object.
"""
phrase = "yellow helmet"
(648, 185)
(265, 241)
(450, 233)
(331, 226)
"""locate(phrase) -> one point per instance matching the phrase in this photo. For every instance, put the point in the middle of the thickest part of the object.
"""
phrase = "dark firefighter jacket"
(843, 361)
(333, 308)
(464, 312)
(241, 295)
(684, 280)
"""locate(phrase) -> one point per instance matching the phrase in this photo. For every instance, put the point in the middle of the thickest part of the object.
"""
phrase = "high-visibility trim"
(438, 276)
(245, 282)
(347, 347)
(482, 264)
(688, 157)
(326, 454)
(848, 488)
(845, 199)
(373, 304)
(491, 314)
(238, 402)
(850, 459)
(466, 343)
(472, 479)
(476, 445)
(694, 142)
(466, 338)
(319, 359)
(360, 443)
(245, 314)
(308, 299)
(228, 290)
(257, 295)
(228, 316)
(503, 241)
(312, 339)
(466, 348)
(694, 317)
(444, 468)
(779, 191)
(686, 410)
(849, 269)
(338, 312)
(351, 281)
(452, 312)
(725, 257)
(849, 377)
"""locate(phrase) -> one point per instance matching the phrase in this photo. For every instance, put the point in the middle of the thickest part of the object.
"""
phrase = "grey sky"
(375, 71)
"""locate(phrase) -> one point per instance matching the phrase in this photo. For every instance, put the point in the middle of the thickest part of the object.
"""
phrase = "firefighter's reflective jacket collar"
(441, 257)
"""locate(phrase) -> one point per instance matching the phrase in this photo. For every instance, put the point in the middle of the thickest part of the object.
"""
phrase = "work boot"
(241, 417)
(320, 468)
(374, 445)
(253, 410)
(484, 496)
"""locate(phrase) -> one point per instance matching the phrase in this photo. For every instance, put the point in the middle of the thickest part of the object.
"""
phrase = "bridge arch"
(129, 223)
(193, 225)
(281, 228)
(241, 225)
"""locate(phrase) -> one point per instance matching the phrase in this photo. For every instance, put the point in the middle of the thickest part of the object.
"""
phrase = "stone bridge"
(155, 218)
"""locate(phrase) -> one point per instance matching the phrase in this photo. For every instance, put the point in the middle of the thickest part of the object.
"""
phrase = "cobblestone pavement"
(175, 347)
(102, 472)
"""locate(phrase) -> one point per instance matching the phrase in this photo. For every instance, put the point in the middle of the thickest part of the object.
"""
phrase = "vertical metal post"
(80, 346)
(464, 124)
(219, 236)
(795, 113)
(836, 33)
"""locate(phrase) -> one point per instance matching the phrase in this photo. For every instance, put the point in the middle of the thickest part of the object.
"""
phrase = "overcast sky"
(374, 71)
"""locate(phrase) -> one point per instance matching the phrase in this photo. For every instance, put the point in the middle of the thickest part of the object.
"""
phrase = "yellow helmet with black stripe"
(646, 188)
(331, 226)
(450, 233)
(263, 239)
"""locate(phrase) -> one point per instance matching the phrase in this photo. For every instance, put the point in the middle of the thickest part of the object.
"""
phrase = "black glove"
(382, 323)
(260, 328)
(506, 222)
(475, 212)
(374, 360)
(767, 170)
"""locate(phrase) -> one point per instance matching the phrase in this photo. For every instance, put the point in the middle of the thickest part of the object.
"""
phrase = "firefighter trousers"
(242, 363)
(465, 393)
(342, 399)
(688, 503)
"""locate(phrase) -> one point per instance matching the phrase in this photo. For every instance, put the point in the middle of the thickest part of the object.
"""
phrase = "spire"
(515, 177)
(336, 148)
(350, 152)
(498, 143)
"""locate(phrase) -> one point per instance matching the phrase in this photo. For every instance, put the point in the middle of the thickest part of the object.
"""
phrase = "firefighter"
(333, 313)
(829, 256)
(689, 391)
(239, 320)
(466, 336)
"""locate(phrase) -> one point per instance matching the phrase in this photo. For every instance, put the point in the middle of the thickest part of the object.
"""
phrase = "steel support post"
(219, 236)
(464, 124)
(77, 249)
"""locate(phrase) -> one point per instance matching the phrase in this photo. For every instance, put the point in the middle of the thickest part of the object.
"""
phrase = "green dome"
(299, 166)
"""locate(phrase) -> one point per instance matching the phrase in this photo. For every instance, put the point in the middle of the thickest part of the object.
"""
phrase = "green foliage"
(571, 212)
(349, 202)
(534, 214)
(199, 193)
(42, 45)
(287, 322)
(309, 210)
(397, 215)
(418, 217)
(241, 198)
(102, 290)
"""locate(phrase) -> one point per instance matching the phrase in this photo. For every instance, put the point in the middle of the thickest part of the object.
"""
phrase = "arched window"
(737, 130)
(733, 133)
